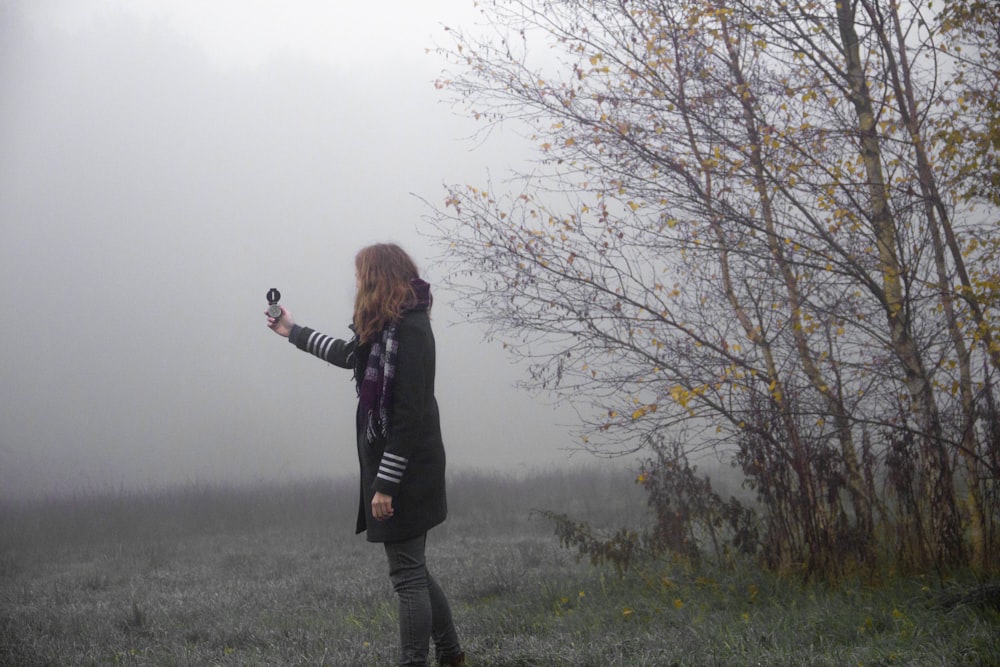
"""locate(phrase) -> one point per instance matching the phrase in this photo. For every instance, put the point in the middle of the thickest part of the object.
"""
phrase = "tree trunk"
(946, 530)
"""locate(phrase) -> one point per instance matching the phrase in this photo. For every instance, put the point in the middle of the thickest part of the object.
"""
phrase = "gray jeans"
(423, 608)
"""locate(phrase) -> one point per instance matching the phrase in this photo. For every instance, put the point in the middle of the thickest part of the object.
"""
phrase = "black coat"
(413, 451)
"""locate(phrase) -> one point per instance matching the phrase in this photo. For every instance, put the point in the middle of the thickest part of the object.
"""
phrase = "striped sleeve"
(332, 350)
(391, 468)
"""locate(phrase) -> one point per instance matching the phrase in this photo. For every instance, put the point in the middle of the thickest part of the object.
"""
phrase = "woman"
(398, 435)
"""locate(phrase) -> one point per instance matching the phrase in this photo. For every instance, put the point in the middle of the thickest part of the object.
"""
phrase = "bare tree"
(741, 223)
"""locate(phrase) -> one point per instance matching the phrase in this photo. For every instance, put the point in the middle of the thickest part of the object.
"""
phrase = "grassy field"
(272, 575)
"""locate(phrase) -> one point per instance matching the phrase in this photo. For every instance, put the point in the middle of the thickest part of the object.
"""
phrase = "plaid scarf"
(375, 392)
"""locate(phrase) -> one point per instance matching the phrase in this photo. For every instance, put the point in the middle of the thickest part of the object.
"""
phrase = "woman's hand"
(281, 325)
(381, 506)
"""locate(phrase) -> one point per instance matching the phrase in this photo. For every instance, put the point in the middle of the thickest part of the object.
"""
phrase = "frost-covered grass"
(272, 575)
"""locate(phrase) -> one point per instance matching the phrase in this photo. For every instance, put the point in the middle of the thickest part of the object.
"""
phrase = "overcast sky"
(162, 164)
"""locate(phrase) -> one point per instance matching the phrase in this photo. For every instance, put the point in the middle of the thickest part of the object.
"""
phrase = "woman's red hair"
(385, 290)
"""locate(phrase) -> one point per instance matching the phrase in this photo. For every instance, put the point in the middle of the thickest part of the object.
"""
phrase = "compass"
(273, 309)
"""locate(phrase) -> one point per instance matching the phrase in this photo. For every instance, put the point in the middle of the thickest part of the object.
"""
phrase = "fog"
(162, 165)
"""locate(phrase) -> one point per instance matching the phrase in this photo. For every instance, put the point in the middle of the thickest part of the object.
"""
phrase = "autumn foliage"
(767, 226)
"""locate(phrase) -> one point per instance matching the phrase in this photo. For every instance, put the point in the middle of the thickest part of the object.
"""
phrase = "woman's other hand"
(381, 506)
(281, 325)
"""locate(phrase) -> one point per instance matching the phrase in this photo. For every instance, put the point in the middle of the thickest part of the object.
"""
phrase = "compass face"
(274, 310)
